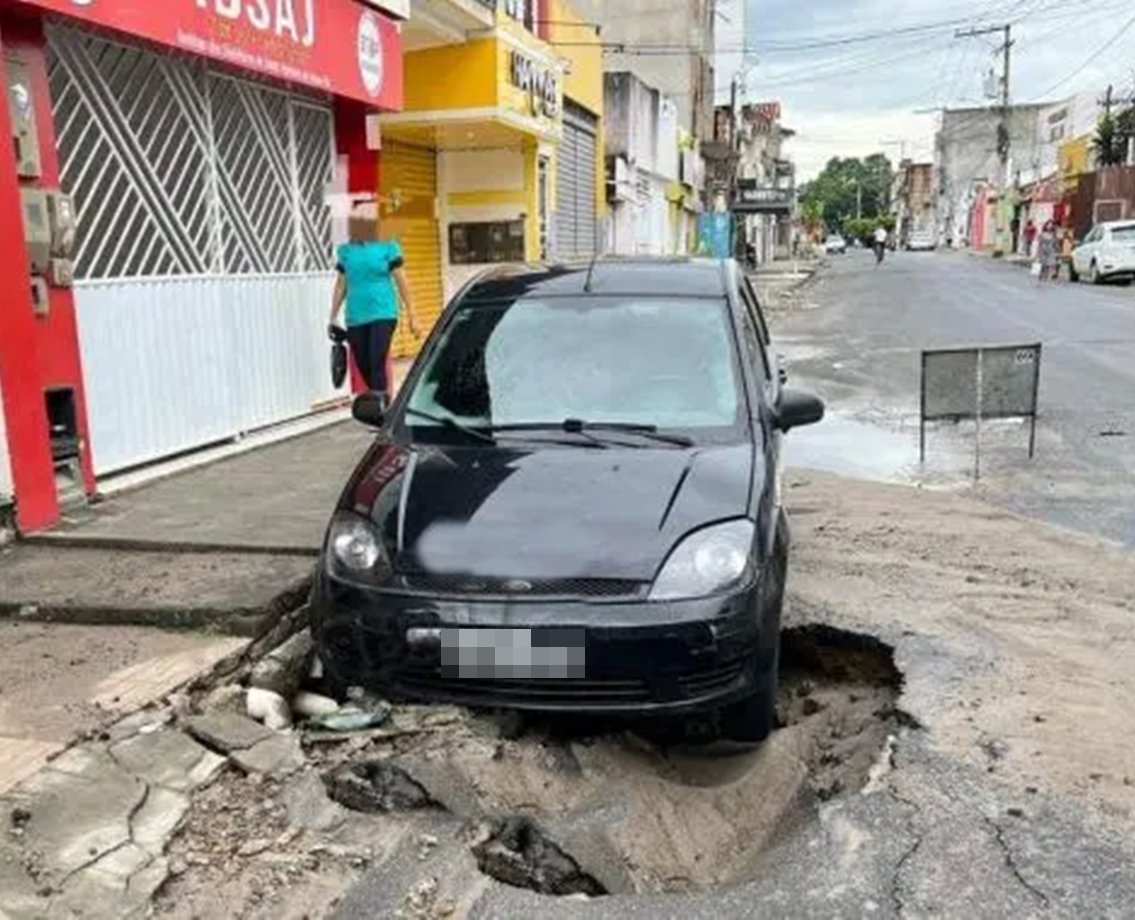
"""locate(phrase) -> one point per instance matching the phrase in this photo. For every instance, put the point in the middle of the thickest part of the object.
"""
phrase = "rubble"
(283, 669)
(268, 707)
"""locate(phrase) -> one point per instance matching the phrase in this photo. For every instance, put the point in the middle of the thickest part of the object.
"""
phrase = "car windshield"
(664, 363)
(1123, 234)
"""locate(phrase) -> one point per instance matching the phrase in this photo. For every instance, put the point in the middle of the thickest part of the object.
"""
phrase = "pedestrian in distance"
(1030, 237)
(371, 282)
(880, 244)
(1048, 252)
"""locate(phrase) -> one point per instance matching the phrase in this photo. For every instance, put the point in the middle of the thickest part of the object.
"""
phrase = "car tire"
(751, 719)
(1094, 275)
(1073, 275)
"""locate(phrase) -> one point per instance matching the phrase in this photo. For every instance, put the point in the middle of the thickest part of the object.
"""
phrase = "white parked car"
(1107, 253)
(921, 240)
(835, 245)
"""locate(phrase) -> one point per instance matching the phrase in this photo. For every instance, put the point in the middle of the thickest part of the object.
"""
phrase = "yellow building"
(497, 155)
(1075, 159)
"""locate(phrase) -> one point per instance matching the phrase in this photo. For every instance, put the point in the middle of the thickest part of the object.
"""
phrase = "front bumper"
(640, 658)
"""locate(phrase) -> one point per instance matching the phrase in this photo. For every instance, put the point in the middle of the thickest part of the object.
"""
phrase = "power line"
(1092, 57)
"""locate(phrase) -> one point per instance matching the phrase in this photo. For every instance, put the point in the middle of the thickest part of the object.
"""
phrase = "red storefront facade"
(331, 61)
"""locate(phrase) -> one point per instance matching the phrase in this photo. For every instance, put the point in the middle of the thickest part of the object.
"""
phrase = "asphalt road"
(855, 336)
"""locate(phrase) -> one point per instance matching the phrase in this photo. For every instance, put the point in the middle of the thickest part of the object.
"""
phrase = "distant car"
(835, 245)
(1107, 253)
(921, 241)
(557, 514)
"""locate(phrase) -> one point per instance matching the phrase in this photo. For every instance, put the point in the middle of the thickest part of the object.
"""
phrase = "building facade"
(497, 153)
(669, 47)
(647, 199)
(168, 179)
(913, 200)
(766, 182)
(968, 167)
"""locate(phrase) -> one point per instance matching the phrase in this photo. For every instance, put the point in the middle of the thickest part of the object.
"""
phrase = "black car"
(574, 503)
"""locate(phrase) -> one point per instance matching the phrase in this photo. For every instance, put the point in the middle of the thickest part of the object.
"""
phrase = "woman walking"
(1048, 253)
(372, 281)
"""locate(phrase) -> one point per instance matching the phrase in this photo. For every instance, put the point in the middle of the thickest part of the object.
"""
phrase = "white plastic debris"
(311, 705)
(268, 707)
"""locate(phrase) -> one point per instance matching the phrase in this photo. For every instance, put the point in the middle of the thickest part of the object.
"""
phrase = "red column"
(36, 353)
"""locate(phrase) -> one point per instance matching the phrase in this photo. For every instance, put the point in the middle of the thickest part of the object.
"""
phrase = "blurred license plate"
(513, 654)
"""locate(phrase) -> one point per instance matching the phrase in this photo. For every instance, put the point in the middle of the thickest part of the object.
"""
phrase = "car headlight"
(705, 562)
(354, 547)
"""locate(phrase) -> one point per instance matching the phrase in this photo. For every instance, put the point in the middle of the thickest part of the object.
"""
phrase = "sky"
(854, 98)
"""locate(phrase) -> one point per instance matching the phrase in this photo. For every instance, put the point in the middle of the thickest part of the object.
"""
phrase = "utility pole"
(1004, 134)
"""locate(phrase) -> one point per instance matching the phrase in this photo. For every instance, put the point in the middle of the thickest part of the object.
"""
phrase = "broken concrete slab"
(283, 669)
(309, 806)
(277, 756)
(79, 817)
(227, 732)
(168, 758)
(229, 592)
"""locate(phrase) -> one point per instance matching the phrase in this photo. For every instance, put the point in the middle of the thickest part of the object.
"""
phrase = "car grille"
(530, 692)
(473, 586)
(704, 683)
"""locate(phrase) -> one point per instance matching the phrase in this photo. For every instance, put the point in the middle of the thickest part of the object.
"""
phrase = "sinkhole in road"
(565, 809)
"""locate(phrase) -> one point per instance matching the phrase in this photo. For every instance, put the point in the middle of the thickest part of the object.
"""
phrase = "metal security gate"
(575, 222)
(204, 254)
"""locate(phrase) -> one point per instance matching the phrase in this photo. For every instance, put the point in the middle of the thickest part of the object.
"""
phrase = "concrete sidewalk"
(275, 500)
(218, 547)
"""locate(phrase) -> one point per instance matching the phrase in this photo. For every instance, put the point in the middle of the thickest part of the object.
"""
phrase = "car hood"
(548, 513)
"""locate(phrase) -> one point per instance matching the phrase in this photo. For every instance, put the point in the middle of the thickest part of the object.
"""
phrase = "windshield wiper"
(451, 424)
(586, 429)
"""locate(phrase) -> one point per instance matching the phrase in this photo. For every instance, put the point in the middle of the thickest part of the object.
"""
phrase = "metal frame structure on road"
(980, 383)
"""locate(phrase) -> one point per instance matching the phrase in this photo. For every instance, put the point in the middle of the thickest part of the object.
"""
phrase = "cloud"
(845, 99)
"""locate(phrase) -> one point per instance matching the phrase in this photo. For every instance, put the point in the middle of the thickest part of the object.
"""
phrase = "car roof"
(605, 277)
(1117, 224)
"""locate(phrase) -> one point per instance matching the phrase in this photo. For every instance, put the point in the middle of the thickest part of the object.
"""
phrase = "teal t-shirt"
(370, 287)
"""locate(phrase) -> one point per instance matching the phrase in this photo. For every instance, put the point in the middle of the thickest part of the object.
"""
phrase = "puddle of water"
(850, 447)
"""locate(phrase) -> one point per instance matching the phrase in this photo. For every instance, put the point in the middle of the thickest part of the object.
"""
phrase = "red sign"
(338, 46)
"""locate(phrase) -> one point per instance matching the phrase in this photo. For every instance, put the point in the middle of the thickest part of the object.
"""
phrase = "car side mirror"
(796, 408)
(370, 409)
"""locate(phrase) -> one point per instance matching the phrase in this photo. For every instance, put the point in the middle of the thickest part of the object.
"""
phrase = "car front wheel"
(1094, 275)
(1073, 275)
(752, 718)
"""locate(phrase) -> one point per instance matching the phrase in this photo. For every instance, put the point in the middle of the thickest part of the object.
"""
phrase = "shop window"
(488, 242)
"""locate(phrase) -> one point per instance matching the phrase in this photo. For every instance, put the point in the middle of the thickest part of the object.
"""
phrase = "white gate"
(204, 248)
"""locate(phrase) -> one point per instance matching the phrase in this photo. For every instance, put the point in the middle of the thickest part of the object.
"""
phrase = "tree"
(850, 188)
(1112, 137)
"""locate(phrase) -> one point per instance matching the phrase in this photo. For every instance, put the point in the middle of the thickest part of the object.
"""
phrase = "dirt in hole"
(839, 693)
(518, 853)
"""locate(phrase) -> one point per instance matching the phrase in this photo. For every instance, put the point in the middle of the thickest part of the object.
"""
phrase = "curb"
(77, 541)
(248, 622)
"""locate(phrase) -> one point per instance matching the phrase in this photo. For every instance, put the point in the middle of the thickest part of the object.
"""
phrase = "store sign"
(540, 83)
(301, 41)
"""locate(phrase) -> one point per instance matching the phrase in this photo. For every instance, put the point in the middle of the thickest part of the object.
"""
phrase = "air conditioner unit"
(620, 186)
